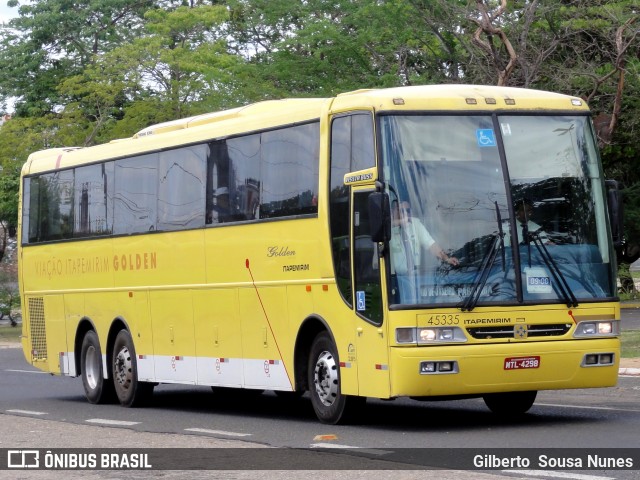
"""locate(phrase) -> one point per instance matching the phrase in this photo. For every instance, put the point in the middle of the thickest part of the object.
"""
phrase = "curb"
(630, 304)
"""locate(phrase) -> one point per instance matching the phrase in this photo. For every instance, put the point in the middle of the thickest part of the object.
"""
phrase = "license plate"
(517, 363)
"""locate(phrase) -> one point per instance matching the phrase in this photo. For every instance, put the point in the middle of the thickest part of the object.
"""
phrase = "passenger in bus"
(525, 226)
(408, 237)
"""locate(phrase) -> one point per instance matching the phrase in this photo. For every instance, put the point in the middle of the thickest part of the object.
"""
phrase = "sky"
(7, 13)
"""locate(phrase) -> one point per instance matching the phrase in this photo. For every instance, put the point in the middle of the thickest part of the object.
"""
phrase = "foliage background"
(88, 71)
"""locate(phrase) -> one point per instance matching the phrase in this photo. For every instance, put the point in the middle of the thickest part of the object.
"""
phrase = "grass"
(9, 333)
(630, 344)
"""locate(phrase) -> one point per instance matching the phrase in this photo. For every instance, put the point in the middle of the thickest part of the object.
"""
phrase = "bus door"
(372, 351)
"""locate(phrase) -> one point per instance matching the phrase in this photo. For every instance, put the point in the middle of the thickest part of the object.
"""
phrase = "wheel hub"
(326, 378)
(92, 367)
(123, 370)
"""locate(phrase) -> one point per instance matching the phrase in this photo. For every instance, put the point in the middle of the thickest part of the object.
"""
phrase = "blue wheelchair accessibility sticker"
(361, 303)
(486, 137)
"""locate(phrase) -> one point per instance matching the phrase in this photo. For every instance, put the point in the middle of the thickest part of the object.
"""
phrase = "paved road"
(28, 433)
(189, 416)
(630, 316)
(40, 411)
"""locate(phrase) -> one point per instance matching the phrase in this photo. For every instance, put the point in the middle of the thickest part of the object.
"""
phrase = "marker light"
(406, 335)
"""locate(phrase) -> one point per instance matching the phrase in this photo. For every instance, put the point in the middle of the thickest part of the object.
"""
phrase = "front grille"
(491, 332)
(517, 331)
(549, 330)
(37, 329)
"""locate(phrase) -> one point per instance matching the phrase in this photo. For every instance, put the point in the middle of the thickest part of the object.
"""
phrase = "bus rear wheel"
(130, 391)
(329, 404)
(97, 389)
(510, 404)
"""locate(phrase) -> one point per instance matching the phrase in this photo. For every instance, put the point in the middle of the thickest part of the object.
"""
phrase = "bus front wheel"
(130, 391)
(97, 389)
(510, 404)
(329, 404)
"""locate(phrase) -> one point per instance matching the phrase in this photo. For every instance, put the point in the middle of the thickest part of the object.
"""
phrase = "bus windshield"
(495, 209)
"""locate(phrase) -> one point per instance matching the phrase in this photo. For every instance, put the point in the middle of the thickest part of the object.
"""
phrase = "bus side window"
(352, 148)
(362, 145)
(136, 193)
(181, 189)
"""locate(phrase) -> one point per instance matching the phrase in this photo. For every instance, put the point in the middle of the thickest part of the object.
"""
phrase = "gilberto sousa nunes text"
(544, 461)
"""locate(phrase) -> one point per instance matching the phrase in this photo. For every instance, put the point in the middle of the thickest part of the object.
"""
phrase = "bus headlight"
(430, 335)
(597, 328)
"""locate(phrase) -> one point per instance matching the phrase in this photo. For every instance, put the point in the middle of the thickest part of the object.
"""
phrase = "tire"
(330, 405)
(97, 389)
(510, 404)
(130, 391)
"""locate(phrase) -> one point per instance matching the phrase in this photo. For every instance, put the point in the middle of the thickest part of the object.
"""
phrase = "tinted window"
(93, 200)
(290, 171)
(28, 216)
(352, 149)
(135, 203)
(181, 188)
(264, 175)
(362, 146)
(244, 177)
(234, 179)
(339, 203)
(51, 202)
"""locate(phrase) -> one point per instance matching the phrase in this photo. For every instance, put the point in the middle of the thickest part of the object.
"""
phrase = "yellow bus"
(430, 242)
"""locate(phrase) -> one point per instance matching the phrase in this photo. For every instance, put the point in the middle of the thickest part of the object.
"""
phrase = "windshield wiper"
(501, 233)
(559, 279)
(487, 263)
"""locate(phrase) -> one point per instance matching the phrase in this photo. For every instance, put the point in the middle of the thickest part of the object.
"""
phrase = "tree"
(321, 48)
(603, 65)
(90, 71)
(55, 39)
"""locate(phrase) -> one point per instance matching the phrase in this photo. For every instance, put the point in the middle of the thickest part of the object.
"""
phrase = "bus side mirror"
(379, 217)
(616, 212)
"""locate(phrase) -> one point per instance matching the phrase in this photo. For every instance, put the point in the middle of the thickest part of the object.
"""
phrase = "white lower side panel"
(223, 372)
(67, 364)
(268, 374)
(175, 369)
(146, 372)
